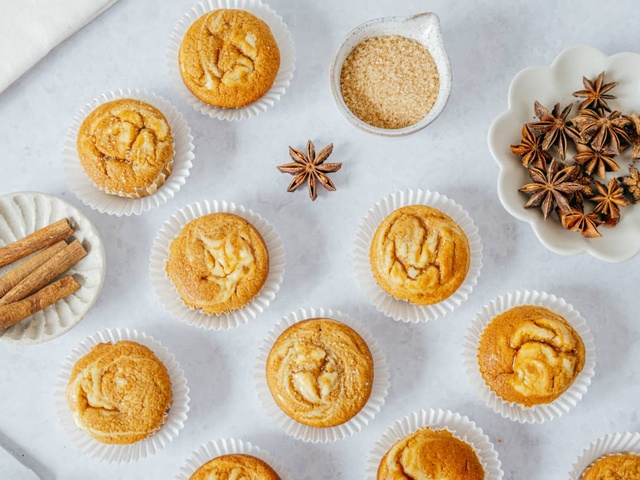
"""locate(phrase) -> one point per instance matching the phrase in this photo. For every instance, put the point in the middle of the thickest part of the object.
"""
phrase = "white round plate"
(23, 213)
(550, 85)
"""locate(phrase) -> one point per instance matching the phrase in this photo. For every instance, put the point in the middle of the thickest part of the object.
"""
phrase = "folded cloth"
(29, 29)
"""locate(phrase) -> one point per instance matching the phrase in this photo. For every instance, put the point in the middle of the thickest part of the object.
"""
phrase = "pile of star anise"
(578, 192)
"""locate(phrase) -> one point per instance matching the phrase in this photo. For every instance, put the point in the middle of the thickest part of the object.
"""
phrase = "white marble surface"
(488, 42)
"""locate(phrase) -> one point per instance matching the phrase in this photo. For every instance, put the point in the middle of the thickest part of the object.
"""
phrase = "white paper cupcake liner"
(84, 188)
(401, 309)
(520, 413)
(231, 446)
(458, 425)
(149, 446)
(306, 433)
(170, 297)
(609, 444)
(281, 34)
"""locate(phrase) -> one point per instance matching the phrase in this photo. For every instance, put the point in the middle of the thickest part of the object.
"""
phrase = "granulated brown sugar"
(389, 81)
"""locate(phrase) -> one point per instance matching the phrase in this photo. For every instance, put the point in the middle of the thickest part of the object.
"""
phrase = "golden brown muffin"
(320, 372)
(126, 148)
(218, 263)
(235, 467)
(119, 393)
(615, 466)
(430, 455)
(530, 355)
(229, 58)
(419, 254)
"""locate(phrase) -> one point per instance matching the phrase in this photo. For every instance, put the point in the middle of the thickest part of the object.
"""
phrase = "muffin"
(235, 467)
(320, 372)
(229, 58)
(530, 355)
(613, 467)
(218, 263)
(430, 454)
(126, 148)
(419, 254)
(119, 393)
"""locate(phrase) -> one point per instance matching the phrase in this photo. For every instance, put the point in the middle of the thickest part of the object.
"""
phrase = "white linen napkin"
(29, 29)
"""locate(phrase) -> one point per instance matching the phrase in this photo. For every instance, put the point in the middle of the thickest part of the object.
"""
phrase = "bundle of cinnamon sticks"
(35, 284)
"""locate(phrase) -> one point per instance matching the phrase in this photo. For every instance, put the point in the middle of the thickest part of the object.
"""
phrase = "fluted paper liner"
(612, 443)
(458, 425)
(22, 213)
(217, 448)
(537, 413)
(280, 33)
(330, 434)
(150, 445)
(170, 297)
(401, 309)
(90, 194)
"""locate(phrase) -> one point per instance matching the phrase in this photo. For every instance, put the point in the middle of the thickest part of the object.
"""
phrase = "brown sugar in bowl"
(409, 98)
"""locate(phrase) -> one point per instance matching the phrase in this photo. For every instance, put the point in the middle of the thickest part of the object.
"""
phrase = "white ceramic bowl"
(424, 28)
(550, 85)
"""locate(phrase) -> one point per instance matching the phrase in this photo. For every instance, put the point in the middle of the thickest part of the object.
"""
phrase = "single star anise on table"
(551, 186)
(530, 149)
(632, 183)
(608, 201)
(602, 130)
(598, 161)
(577, 220)
(310, 168)
(555, 127)
(595, 93)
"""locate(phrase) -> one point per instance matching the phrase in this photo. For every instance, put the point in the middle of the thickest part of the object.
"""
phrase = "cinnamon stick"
(41, 276)
(14, 312)
(38, 240)
(15, 276)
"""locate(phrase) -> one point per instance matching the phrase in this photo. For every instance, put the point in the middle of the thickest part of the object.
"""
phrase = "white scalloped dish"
(550, 85)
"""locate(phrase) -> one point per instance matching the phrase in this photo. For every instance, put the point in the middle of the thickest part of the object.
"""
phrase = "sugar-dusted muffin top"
(218, 263)
(430, 455)
(615, 466)
(229, 58)
(419, 254)
(126, 148)
(235, 467)
(530, 355)
(320, 372)
(119, 393)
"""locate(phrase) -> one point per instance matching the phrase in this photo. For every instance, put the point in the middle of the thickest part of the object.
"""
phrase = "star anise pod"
(311, 169)
(551, 186)
(633, 130)
(579, 176)
(577, 220)
(632, 183)
(555, 127)
(609, 200)
(595, 160)
(595, 93)
(602, 131)
(530, 149)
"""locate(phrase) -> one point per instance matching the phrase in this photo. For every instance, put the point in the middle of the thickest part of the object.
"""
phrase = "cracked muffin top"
(320, 372)
(430, 455)
(119, 393)
(615, 466)
(530, 355)
(229, 58)
(419, 254)
(218, 263)
(235, 467)
(126, 148)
